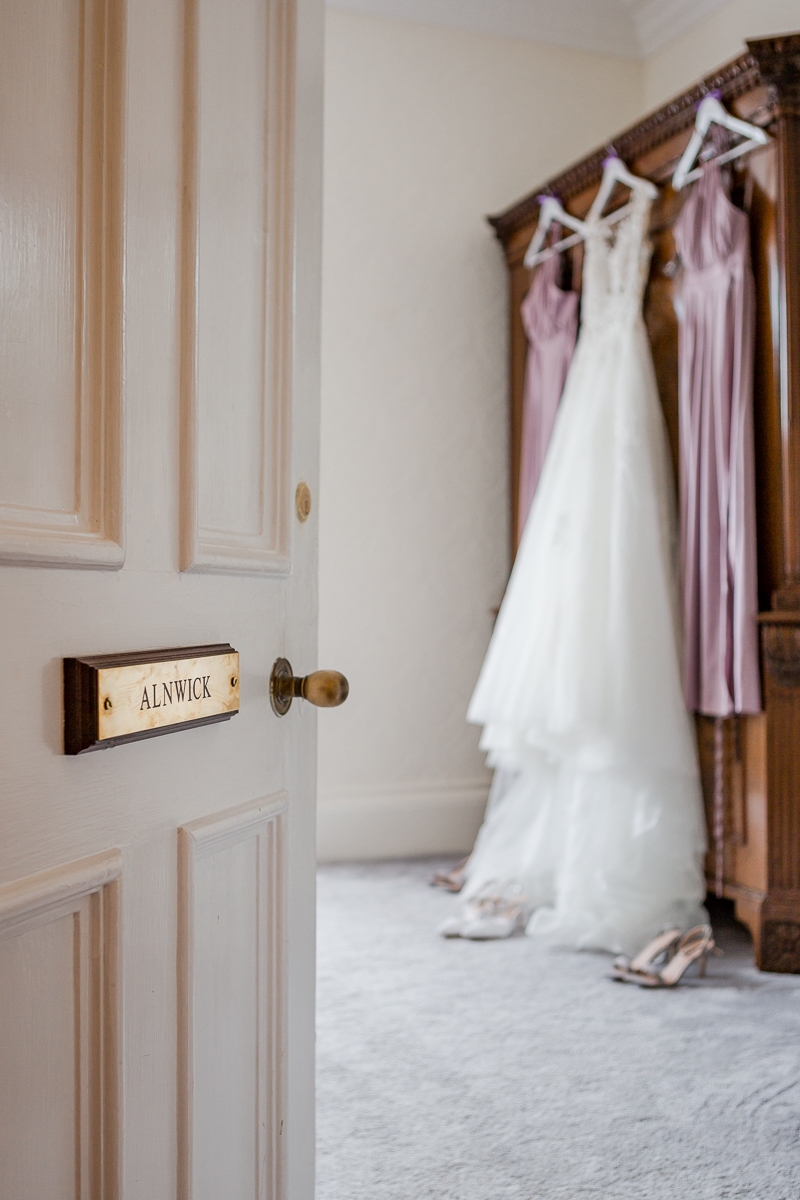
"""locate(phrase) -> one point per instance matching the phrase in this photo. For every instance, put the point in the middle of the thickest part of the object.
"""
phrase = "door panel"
(41, 1048)
(164, 249)
(61, 281)
(237, 286)
(232, 1004)
(59, 1053)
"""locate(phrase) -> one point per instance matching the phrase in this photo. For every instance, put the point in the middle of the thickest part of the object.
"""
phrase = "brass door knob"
(326, 689)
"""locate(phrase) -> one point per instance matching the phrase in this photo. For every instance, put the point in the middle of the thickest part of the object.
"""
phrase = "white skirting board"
(399, 820)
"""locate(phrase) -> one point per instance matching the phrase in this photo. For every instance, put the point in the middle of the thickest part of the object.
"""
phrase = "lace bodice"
(616, 267)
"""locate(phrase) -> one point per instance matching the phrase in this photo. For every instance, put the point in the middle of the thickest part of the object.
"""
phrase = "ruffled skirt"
(597, 806)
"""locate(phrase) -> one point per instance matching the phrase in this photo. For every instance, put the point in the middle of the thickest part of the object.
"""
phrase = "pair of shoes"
(489, 915)
(693, 946)
(451, 881)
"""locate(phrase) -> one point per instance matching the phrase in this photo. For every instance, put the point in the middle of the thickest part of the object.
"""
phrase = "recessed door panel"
(232, 1002)
(59, 1133)
(39, 978)
(60, 281)
(237, 288)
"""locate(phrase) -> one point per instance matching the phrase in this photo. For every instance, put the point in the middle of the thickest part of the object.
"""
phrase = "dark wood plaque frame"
(761, 771)
(80, 696)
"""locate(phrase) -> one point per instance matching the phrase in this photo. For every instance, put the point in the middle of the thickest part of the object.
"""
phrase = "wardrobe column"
(778, 61)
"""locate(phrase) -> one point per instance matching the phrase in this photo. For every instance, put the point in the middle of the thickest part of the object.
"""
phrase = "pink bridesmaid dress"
(550, 317)
(718, 526)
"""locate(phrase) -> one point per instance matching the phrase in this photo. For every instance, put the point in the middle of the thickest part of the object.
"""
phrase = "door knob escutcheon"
(325, 689)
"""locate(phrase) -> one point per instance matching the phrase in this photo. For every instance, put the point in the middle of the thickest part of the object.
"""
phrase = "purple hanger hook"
(715, 92)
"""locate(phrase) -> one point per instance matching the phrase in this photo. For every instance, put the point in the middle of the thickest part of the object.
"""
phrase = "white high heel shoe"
(503, 915)
(451, 928)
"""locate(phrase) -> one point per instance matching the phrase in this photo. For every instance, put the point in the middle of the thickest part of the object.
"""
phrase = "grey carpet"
(485, 1071)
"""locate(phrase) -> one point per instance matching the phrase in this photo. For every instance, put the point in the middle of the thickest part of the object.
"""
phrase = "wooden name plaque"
(114, 698)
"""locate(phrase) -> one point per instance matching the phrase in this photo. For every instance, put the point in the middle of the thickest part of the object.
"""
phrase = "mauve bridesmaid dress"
(550, 317)
(718, 528)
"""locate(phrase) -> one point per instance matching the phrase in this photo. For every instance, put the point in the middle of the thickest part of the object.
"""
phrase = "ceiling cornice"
(628, 28)
(658, 22)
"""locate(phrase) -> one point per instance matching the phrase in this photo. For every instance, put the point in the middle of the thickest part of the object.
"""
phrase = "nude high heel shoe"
(451, 881)
(662, 946)
(694, 946)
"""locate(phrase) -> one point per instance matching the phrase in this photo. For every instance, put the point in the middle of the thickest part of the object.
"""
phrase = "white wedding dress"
(596, 805)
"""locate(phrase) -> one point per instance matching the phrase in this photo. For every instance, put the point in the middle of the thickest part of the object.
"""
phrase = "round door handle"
(326, 689)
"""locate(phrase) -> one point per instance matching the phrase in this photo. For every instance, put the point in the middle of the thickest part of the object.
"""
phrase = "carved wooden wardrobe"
(756, 830)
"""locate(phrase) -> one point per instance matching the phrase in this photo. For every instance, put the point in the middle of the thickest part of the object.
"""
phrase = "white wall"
(712, 42)
(427, 130)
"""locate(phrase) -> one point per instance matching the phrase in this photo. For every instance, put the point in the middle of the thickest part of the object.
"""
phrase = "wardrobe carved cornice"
(778, 63)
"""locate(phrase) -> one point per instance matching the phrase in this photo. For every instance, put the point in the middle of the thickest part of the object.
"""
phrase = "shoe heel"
(702, 969)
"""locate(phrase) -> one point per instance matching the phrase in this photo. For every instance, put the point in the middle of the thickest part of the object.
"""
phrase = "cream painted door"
(160, 166)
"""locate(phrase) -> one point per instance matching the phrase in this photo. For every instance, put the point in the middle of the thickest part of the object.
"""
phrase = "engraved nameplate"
(115, 698)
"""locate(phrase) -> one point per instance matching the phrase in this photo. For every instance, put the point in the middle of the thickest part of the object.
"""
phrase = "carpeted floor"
(458, 1070)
